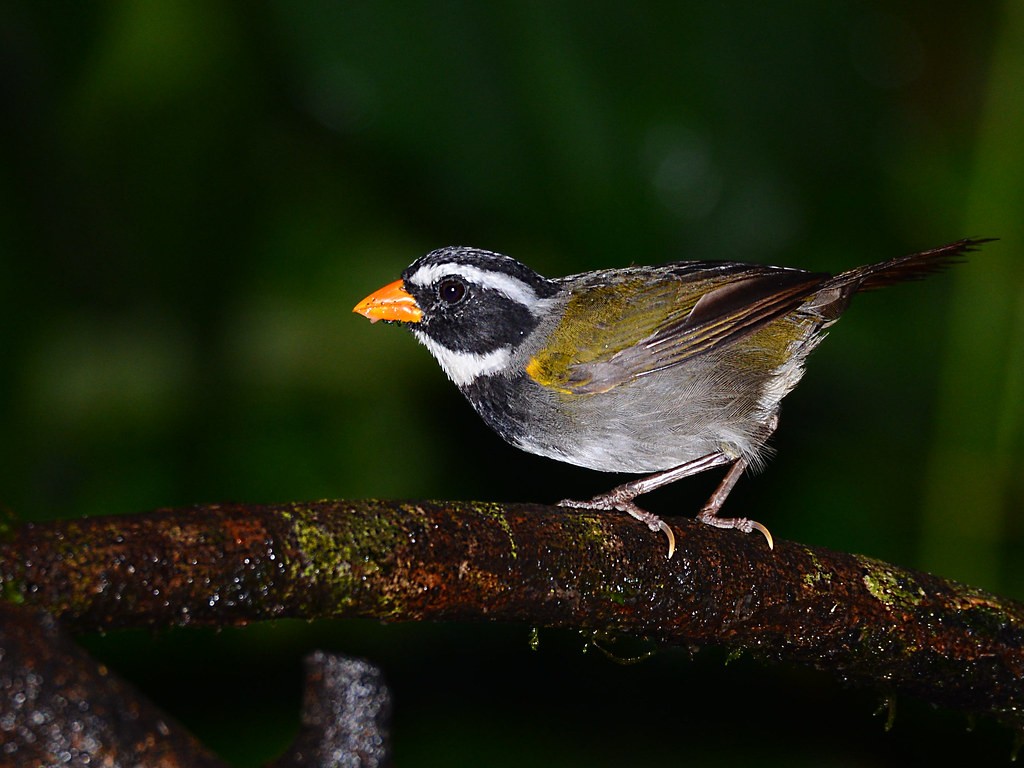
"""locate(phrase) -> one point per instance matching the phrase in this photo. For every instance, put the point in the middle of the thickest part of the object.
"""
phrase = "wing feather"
(605, 340)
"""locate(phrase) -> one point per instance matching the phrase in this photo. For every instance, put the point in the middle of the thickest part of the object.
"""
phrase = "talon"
(767, 534)
(671, 537)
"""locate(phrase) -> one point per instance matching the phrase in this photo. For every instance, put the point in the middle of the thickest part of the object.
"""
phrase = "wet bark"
(868, 622)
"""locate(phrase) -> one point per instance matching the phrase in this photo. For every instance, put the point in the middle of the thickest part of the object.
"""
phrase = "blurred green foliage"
(193, 196)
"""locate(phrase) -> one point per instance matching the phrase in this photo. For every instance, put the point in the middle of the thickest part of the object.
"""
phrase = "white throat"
(464, 367)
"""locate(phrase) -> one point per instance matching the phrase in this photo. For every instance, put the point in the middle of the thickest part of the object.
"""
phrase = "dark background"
(193, 196)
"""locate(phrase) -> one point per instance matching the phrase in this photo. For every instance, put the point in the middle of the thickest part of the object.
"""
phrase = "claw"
(708, 517)
(767, 534)
(671, 537)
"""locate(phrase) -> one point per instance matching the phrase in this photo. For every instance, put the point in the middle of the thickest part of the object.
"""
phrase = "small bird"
(663, 370)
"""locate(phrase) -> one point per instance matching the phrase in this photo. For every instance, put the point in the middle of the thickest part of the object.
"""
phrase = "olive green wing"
(612, 334)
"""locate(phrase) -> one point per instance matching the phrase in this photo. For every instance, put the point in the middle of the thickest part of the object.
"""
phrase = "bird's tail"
(911, 267)
(834, 296)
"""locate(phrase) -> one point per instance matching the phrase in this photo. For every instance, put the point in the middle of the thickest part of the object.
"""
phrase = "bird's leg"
(709, 512)
(621, 497)
(649, 483)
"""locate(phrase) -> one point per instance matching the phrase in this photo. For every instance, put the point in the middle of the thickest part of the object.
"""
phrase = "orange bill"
(391, 302)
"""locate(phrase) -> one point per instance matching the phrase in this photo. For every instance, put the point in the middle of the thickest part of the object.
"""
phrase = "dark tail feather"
(912, 267)
(833, 298)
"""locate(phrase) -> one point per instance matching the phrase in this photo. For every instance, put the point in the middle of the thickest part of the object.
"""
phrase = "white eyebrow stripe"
(464, 367)
(512, 287)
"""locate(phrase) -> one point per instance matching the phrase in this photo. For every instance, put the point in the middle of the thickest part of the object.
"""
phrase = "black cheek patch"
(486, 321)
(492, 321)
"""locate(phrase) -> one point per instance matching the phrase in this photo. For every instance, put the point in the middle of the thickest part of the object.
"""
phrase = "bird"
(660, 371)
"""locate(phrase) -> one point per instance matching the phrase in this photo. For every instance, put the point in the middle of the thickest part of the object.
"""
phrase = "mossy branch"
(866, 621)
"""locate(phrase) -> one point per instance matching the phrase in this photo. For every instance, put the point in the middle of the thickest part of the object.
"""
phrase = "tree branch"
(60, 707)
(864, 620)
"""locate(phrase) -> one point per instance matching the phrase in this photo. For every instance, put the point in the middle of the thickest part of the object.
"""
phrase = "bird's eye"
(451, 291)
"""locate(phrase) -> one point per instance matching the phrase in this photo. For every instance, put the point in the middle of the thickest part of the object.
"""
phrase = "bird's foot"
(708, 517)
(622, 503)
